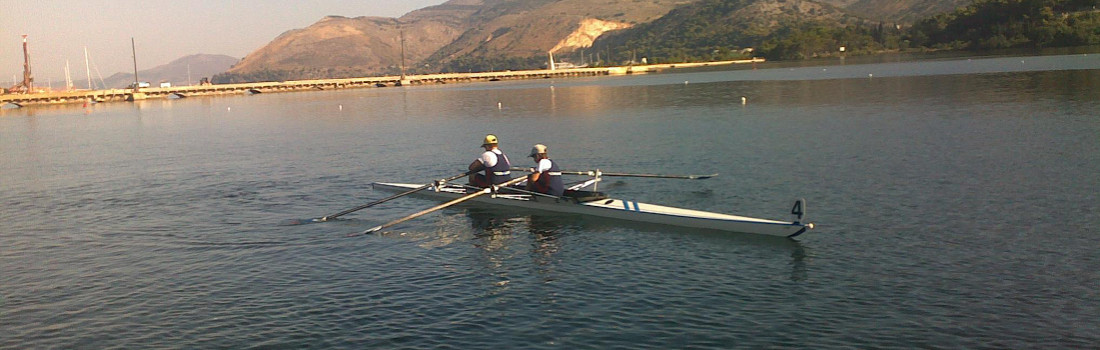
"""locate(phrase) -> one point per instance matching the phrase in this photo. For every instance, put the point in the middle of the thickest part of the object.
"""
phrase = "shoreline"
(119, 95)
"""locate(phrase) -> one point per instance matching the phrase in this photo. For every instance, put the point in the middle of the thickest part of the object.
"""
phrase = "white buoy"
(869, 75)
(744, 100)
(341, 107)
(685, 82)
(500, 106)
(228, 108)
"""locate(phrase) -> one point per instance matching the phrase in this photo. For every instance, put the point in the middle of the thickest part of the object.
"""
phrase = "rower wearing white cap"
(494, 162)
(546, 177)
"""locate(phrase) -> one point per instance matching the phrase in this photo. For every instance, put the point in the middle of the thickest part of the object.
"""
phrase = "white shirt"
(544, 165)
(489, 158)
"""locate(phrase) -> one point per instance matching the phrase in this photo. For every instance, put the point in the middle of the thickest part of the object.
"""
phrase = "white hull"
(624, 210)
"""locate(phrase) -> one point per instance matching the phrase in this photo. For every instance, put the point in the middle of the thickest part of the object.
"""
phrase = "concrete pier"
(113, 95)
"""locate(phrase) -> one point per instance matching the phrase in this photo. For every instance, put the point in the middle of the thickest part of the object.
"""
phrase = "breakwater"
(113, 95)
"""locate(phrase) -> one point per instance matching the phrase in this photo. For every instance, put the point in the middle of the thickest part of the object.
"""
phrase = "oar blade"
(701, 177)
(296, 222)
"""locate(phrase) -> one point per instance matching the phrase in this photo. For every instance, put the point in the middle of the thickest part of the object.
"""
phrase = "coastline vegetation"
(983, 25)
(705, 32)
(998, 24)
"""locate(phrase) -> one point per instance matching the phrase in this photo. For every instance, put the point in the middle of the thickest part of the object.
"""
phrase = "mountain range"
(461, 35)
(187, 70)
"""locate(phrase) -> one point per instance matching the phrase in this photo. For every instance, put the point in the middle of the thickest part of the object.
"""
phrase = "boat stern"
(799, 212)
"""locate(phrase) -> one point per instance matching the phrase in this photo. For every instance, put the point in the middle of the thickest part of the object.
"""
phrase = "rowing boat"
(597, 204)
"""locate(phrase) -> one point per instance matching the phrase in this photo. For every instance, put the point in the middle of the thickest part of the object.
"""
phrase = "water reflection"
(493, 235)
(799, 257)
(493, 232)
(546, 232)
(501, 237)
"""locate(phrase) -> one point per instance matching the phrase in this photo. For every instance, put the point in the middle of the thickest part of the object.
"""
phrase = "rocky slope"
(342, 47)
(470, 34)
(725, 22)
(437, 35)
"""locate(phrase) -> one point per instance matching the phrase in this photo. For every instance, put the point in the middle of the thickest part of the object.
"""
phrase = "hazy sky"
(164, 30)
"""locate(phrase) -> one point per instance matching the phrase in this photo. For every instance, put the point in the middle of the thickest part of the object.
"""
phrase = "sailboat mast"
(134, 48)
(68, 77)
(402, 55)
(87, 68)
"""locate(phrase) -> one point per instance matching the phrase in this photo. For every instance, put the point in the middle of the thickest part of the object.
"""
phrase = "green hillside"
(776, 29)
(791, 29)
(995, 24)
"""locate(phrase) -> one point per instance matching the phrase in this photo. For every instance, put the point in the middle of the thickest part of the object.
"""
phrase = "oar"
(387, 199)
(600, 173)
(444, 205)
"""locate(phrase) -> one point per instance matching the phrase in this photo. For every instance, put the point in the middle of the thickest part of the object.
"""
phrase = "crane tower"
(27, 86)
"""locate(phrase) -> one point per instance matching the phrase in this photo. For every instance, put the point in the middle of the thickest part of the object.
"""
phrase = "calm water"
(956, 203)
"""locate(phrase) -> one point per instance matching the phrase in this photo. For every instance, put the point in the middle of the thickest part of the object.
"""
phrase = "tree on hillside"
(995, 24)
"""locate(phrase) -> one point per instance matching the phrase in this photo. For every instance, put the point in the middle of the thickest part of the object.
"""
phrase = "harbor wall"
(115, 95)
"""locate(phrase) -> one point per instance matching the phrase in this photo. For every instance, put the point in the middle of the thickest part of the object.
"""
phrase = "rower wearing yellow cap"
(494, 162)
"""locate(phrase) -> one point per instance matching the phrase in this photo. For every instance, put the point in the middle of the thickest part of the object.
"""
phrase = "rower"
(546, 177)
(494, 162)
